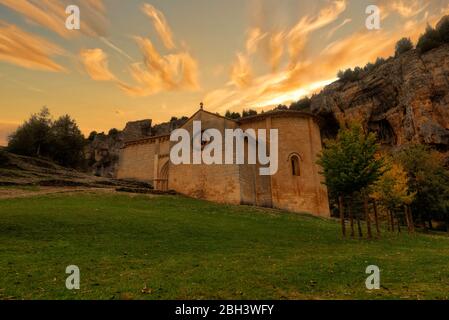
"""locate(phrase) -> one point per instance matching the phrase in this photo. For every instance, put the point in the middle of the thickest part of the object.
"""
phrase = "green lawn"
(179, 248)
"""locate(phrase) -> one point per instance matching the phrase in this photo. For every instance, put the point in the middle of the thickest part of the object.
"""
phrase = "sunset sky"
(155, 59)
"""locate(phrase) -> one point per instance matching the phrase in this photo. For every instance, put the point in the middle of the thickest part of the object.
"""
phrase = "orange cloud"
(95, 62)
(27, 50)
(297, 37)
(304, 75)
(51, 15)
(241, 72)
(177, 71)
(160, 24)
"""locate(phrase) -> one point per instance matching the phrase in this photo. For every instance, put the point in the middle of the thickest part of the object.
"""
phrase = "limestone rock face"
(406, 99)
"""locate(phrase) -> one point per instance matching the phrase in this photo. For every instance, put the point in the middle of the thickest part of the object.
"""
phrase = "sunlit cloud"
(95, 62)
(52, 15)
(178, 71)
(335, 29)
(160, 24)
(241, 72)
(28, 50)
(298, 35)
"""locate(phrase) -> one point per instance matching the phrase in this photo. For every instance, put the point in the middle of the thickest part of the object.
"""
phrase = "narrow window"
(295, 165)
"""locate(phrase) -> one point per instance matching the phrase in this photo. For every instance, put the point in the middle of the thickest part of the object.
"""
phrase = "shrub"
(249, 112)
(429, 40)
(403, 45)
(301, 105)
(3, 158)
(443, 29)
(232, 115)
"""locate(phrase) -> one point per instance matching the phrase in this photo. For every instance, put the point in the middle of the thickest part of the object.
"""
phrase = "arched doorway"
(162, 181)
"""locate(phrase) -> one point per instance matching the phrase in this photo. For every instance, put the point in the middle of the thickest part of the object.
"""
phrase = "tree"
(92, 136)
(443, 29)
(428, 179)
(32, 138)
(113, 132)
(301, 105)
(429, 40)
(403, 45)
(59, 140)
(67, 142)
(232, 115)
(350, 164)
(3, 157)
(392, 191)
(249, 112)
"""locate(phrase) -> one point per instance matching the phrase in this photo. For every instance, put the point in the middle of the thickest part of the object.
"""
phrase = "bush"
(232, 115)
(92, 136)
(301, 105)
(3, 158)
(113, 132)
(429, 40)
(443, 29)
(249, 112)
(403, 45)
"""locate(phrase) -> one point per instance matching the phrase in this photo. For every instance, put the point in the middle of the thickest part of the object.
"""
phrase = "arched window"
(296, 170)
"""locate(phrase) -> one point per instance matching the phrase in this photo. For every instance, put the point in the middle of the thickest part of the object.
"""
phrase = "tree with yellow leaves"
(393, 193)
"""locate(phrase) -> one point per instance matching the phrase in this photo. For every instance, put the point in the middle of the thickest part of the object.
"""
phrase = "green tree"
(392, 192)
(301, 105)
(428, 179)
(32, 137)
(429, 40)
(403, 45)
(350, 165)
(249, 112)
(92, 136)
(67, 142)
(3, 157)
(232, 115)
(443, 29)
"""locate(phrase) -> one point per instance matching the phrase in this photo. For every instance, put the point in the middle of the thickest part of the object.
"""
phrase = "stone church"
(296, 186)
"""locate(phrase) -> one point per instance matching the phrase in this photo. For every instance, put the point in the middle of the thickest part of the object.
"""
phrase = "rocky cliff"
(102, 153)
(405, 99)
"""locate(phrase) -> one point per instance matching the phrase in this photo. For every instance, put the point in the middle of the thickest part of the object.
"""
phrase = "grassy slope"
(184, 248)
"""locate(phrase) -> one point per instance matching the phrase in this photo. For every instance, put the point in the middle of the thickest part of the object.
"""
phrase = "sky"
(155, 59)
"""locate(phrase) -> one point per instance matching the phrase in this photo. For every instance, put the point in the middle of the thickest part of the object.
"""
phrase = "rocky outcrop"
(102, 153)
(405, 99)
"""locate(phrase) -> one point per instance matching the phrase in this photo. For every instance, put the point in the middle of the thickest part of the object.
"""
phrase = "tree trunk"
(410, 218)
(359, 226)
(367, 218)
(388, 221)
(342, 215)
(390, 213)
(351, 217)
(399, 224)
(407, 220)
(430, 223)
(376, 217)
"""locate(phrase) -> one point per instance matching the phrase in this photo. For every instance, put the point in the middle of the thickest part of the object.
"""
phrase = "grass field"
(172, 247)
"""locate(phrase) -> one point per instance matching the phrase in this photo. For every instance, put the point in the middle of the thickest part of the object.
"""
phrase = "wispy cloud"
(51, 15)
(304, 73)
(160, 24)
(95, 62)
(27, 50)
(176, 71)
(278, 86)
